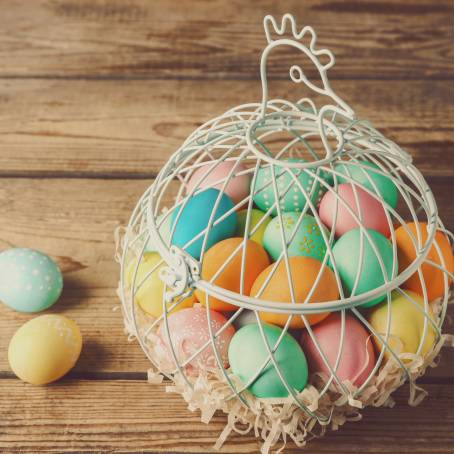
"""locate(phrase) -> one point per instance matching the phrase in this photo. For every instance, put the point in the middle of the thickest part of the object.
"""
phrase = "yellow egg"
(256, 216)
(44, 349)
(150, 294)
(407, 324)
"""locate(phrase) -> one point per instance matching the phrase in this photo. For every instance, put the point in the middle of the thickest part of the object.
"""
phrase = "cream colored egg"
(44, 349)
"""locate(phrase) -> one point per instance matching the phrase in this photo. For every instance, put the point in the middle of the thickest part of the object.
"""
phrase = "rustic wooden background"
(95, 95)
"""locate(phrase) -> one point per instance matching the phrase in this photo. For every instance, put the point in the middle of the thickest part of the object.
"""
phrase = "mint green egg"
(292, 200)
(386, 188)
(164, 231)
(307, 240)
(30, 281)
(248, 352)
(346, 253)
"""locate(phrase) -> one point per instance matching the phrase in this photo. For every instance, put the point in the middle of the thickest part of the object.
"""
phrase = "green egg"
(348, 262)
(164, 231)
(386, 188)
(248, 352)
(307, 240)
(292, 199)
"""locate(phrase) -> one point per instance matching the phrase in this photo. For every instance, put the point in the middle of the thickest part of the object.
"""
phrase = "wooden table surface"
(95, 96)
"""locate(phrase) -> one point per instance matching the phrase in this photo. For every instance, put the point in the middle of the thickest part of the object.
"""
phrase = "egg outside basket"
(262, 136)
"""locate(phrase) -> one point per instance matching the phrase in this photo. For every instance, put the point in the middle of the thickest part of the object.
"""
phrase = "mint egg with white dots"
(30, 281)
(290, 183)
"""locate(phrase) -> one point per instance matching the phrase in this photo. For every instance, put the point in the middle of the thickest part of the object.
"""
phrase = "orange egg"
(407, 252)
(256, 260)
(304, 272)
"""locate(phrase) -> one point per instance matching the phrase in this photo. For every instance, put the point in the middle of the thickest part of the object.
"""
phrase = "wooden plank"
(133, 416)
(68, 38)
(117, 129)
(73, 220)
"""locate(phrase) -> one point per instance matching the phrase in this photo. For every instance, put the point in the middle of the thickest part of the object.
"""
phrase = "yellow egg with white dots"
(44, 349)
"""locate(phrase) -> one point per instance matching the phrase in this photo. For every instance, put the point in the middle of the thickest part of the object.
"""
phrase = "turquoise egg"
(195, 218)
(291, 200)
(30, 281)
(386, 188)
(248, 352)
(346, 253)
(307, 240)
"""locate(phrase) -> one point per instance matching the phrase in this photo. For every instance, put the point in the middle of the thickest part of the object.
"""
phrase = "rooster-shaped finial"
(287, 34)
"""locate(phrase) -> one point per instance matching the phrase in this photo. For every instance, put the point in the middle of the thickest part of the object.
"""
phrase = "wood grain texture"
(218, 39)
(108, 128)
(133, 416)
(73, 220)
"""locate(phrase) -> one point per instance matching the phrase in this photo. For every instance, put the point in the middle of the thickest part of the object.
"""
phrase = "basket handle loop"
(296, 73)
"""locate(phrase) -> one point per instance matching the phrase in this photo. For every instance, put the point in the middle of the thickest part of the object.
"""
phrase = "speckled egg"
(195, 218)
(366, 176)
(255, 261)
(237, 188)
(304, 272)
(256, 217)
(30, 281)
(248, 353)
(349, 263)
(406, 324)
(189, 331)
(407, 253)
(291, 198)
(44, 349)
(307, 240)
(357, 359)
(335, 215)
(149, 287)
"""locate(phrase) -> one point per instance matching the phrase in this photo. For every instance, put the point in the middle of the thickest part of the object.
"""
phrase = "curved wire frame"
(246, 135)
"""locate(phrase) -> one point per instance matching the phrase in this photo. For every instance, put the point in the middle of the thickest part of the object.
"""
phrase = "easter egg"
(304, 272)
(189, 332)
(349, 262)
(290, 196)
(255, 217)
(255, 261)
(164, 225)
(365, 177)
(44, 349)
(238, 186)
(248, 353)
(30, 281)
(357, 359)
(149, 294)
(406, 327)
(336, 216)
(307, 240)
(195, 217)
(407, 253)
(247, 317)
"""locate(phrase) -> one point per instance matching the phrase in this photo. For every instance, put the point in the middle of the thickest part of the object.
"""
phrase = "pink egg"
(237, 188)
(367, 207)
(358, 355)
(189, 331)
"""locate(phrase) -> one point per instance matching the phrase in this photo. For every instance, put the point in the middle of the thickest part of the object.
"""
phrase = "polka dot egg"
(291, 197)
(30, 281)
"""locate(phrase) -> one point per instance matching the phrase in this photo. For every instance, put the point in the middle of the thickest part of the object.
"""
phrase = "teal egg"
(307, 240)
(248, 352)
(30, 281)
(346, 252)
(164, 231)
(293, 199)
(386, 188)
(195, 218)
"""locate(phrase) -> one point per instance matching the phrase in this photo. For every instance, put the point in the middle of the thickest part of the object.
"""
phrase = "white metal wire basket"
(317, 150)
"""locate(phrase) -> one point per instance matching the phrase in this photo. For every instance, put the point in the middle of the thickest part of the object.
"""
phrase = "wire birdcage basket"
(292, 238)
